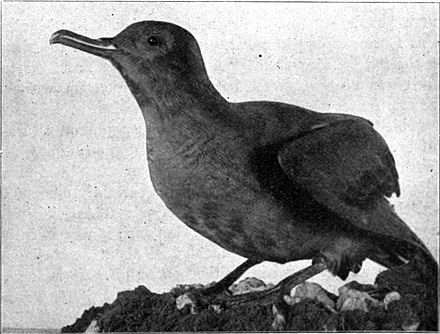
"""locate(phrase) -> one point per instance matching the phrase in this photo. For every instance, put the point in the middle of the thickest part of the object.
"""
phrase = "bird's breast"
(187, 171)
(208, 180)
(210, 187)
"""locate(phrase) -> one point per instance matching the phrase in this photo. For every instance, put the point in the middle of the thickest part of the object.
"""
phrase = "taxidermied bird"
(265, 180)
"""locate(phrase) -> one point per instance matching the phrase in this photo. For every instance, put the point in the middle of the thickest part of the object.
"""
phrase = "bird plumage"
(266, 180)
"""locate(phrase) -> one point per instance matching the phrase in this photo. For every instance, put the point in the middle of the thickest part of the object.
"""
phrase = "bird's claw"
(200, 299)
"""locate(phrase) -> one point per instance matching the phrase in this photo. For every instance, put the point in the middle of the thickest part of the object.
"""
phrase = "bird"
(268, 181)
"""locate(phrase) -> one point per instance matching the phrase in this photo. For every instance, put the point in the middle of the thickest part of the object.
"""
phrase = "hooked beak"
(102, 47)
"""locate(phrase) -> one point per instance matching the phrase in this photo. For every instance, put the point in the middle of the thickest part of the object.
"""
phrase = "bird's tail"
(399, 246)
(398, 242)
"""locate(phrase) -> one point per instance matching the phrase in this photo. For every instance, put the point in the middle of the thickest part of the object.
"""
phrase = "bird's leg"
(203, 297)
(277, 292)
(228, 280)
(301, 276)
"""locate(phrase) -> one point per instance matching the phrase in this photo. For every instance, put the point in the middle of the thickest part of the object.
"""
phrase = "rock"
(249, 284)
(181, 288)
(351, 303)
(391, 297)
(309, 290)
(93, 327)
(83, 323)
(269, 286)
(351, 299)
(184, 300)
(279, 321)
(217, 308)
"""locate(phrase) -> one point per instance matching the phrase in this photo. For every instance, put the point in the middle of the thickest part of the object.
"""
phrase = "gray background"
(80, 219)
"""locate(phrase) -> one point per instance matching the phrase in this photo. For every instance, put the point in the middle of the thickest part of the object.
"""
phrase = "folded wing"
(347, 167)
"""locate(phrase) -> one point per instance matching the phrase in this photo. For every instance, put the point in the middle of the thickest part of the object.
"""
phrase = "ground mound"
(397, 301)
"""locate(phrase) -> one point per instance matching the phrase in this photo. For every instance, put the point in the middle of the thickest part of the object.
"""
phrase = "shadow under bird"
(265, 180)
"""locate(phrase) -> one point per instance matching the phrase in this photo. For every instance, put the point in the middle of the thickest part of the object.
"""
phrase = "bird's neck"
(171, 88)
(166, 98)
(177, 120)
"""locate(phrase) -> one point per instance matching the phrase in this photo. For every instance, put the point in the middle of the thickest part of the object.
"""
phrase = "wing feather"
(347, 167)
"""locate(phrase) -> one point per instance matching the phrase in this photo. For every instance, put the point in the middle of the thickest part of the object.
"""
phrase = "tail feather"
(400, 244)
(397, 239)
(388, 259)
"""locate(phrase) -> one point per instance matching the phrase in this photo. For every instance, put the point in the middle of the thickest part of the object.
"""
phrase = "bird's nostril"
(108, 41)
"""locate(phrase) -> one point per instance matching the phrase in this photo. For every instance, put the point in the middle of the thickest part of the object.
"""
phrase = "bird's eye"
(153, 40)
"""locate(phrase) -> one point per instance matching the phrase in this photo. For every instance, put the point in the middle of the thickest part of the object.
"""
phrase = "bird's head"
(153, 57)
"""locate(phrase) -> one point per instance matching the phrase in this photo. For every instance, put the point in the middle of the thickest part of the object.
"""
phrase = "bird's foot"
(200, 298)
(274, 294)
(219, 297)
(263, 297)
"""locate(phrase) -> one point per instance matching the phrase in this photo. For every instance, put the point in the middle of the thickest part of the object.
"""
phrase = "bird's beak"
(102, 47)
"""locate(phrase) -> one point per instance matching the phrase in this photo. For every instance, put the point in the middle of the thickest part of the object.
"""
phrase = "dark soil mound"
(141, 310)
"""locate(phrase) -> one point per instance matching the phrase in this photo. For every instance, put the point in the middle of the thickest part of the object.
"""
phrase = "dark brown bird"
(265, 180)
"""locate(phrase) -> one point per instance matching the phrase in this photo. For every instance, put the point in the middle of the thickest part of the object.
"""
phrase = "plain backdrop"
(80, 220)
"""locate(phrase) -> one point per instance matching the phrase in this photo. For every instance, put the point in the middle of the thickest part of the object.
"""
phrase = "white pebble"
(390, 297)
(309, 290)
(184, 300)
(351, 299)
(279, 321)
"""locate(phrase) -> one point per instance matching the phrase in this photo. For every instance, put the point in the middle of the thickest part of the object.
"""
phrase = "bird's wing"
(347, 167)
